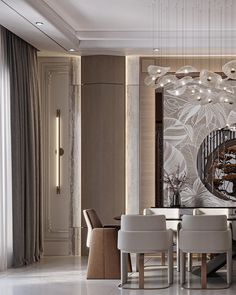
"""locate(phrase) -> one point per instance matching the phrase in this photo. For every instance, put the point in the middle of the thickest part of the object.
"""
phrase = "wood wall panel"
(103, 137)
(103, 149)
(103, 69)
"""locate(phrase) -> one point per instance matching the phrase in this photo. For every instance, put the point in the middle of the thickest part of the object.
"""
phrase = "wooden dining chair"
(104, 256)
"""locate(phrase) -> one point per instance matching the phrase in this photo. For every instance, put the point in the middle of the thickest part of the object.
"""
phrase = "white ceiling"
(177, 27)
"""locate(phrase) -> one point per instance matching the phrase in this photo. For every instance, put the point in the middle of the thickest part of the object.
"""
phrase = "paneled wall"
(103, 136)
(54, 83)
(102, 140)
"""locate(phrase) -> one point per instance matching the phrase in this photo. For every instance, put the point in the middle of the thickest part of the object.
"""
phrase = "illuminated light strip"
(59, 151)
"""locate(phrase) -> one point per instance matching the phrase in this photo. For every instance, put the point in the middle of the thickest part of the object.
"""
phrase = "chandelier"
(208, 87)
(204, 86)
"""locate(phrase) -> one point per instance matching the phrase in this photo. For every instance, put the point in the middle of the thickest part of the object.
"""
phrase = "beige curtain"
(26, 151)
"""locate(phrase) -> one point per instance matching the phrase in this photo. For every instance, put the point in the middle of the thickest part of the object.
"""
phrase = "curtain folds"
(5, 159)
(26, 151)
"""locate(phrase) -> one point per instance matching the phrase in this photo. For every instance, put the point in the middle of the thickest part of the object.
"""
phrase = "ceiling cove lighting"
(59, 151)
(208, 86)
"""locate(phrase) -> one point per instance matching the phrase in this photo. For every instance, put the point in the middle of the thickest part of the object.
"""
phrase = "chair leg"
(163, 258)
(137, 262)
(229, 267)
(182, 267)
(170, 265)
(204, 271)
(177, 248)
(190, 262)
(141, 271)
(124, 271)
(129, 263)
(178, 259)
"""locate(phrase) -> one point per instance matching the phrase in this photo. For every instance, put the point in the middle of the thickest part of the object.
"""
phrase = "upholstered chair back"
(143, 223)
(93, 218)
(168, 212)
(92, 221)
(204, 223)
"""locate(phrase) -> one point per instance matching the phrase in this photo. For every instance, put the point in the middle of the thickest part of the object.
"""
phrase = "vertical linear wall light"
(59, 151)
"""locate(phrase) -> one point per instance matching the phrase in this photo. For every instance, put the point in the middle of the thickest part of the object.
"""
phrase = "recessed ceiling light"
(39, 23)
(156, 49)
(71, 50)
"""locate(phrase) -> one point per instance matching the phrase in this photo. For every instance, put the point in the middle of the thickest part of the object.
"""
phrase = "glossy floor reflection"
(67, 276)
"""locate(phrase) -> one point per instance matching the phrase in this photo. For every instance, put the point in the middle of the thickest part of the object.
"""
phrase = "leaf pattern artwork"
(231, 118)
(176, 132)
(172, 105)
(197, 113)
(187, 122)
(173, 158)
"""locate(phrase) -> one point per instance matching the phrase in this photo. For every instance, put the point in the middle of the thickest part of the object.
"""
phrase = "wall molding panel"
(54, 84)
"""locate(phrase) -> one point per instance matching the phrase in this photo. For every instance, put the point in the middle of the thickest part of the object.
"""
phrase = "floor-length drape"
(26, 151)
(5, 159)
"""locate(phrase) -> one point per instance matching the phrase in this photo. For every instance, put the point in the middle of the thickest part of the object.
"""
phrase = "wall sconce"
(59, 151)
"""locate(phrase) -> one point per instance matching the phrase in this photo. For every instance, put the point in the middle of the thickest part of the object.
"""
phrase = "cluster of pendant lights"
(208, 87)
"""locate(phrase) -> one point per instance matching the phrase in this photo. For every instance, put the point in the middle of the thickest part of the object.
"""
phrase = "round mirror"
(216, 163)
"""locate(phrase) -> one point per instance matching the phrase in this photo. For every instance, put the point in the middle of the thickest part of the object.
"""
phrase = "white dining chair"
(209, 211)
(174, 225)
(205, 234)
(144, 234)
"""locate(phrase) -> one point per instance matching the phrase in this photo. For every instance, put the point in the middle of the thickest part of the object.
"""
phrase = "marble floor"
(67, 276)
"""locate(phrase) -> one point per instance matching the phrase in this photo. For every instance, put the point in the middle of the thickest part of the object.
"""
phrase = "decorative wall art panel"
(200, 142)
